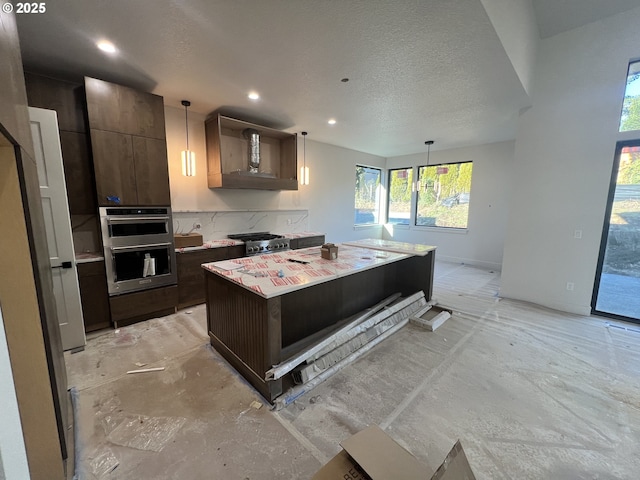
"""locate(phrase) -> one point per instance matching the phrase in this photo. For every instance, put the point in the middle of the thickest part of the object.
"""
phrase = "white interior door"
(53, 190)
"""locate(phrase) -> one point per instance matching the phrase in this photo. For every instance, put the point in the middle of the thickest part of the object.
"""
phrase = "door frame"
(613, 183)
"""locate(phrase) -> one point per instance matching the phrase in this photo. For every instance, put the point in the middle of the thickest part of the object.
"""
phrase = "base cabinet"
(94, 296)
(191, 289)
(130, 308)
(254, 333)
(306, 242)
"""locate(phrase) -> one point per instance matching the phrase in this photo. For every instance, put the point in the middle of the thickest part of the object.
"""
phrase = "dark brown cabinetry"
(135, 307)
(68, 100)
(191, 289)
(121, 109)
(152, 171)
(228, 156)
(254, 333)
(115, 178)
(305, 242)
(128, 145)
(94, 296)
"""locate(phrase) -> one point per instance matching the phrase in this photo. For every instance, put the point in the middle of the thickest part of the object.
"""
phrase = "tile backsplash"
(217, 225)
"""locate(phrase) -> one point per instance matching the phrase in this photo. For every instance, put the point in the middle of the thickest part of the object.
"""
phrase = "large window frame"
(368, 196)
(630, 115)
(400, 193)
(444, 204)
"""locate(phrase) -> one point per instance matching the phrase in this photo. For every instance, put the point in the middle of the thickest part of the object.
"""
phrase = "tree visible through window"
(367, 209)
(444, 195)
(400, 192)
(630, 118)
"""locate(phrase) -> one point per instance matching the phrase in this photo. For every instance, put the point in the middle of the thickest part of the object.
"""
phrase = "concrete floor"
(618, 294)
(532, 394)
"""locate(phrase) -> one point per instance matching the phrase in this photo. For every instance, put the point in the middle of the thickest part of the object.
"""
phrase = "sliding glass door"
(617, 286)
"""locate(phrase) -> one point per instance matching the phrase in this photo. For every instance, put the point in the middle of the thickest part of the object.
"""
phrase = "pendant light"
(304, 170)
(428, 143)
(188, 157)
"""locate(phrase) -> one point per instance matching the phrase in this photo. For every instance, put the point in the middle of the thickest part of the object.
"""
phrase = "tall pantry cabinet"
(128, 142)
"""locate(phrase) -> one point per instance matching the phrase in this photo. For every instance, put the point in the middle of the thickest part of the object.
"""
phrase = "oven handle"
(136, 219)
(139, 247)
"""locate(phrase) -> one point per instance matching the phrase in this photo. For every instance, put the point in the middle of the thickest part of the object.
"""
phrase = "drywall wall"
(515, 23)
(482, 242)
(329, 198)
(563, 160)
(18, 295)
(24, 331)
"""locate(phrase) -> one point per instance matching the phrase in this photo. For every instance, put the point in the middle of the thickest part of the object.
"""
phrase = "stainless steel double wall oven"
(138, 248)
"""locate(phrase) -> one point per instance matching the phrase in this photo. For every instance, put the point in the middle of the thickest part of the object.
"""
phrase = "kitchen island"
(264, 309)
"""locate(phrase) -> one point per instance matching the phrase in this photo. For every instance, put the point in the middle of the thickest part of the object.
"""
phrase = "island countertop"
(284, 272)
(257, 318)
(392, 246)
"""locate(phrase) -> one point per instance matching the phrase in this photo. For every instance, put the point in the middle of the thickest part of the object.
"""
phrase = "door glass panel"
(618, 285)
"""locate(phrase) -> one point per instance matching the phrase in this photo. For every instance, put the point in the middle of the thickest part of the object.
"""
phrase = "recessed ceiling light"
(254, 95)
(332, 121)
(106, 46)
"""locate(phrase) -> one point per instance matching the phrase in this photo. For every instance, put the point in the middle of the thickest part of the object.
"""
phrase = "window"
(630, 118)
(367, 211)
(443, 195)
(399, 207)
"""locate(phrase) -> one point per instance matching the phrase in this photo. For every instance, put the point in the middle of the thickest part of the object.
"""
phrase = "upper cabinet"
(68, 100)
(128, 144)
(116, 108)
(245, 155)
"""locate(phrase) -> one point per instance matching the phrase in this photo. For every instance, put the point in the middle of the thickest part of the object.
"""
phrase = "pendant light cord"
(428, 143)
(304, 149)
(186, 104)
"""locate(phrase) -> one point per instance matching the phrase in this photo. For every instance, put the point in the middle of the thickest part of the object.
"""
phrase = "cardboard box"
(329, 251)
(187, 240)
(372, 454)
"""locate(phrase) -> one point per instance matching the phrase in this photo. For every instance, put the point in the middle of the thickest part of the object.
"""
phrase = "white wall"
(329, 198)
(482, 242)
(515, 23)
(563, 160)
(13, 456)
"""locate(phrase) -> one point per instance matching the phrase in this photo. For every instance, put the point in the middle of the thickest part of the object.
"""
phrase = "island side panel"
(321, 306)
(415, 274)
(245, 329)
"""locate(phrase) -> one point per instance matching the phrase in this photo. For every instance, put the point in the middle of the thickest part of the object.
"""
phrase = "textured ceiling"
(417, 69)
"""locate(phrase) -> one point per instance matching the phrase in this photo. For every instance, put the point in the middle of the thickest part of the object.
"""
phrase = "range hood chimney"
(253, 137)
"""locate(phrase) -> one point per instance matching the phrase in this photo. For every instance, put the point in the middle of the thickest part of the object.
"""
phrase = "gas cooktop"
(259, 243)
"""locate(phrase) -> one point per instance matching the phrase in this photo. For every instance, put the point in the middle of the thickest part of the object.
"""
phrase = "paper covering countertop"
(279, 273)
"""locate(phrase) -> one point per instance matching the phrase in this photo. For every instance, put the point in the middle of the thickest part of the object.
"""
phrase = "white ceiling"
(418, 69)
